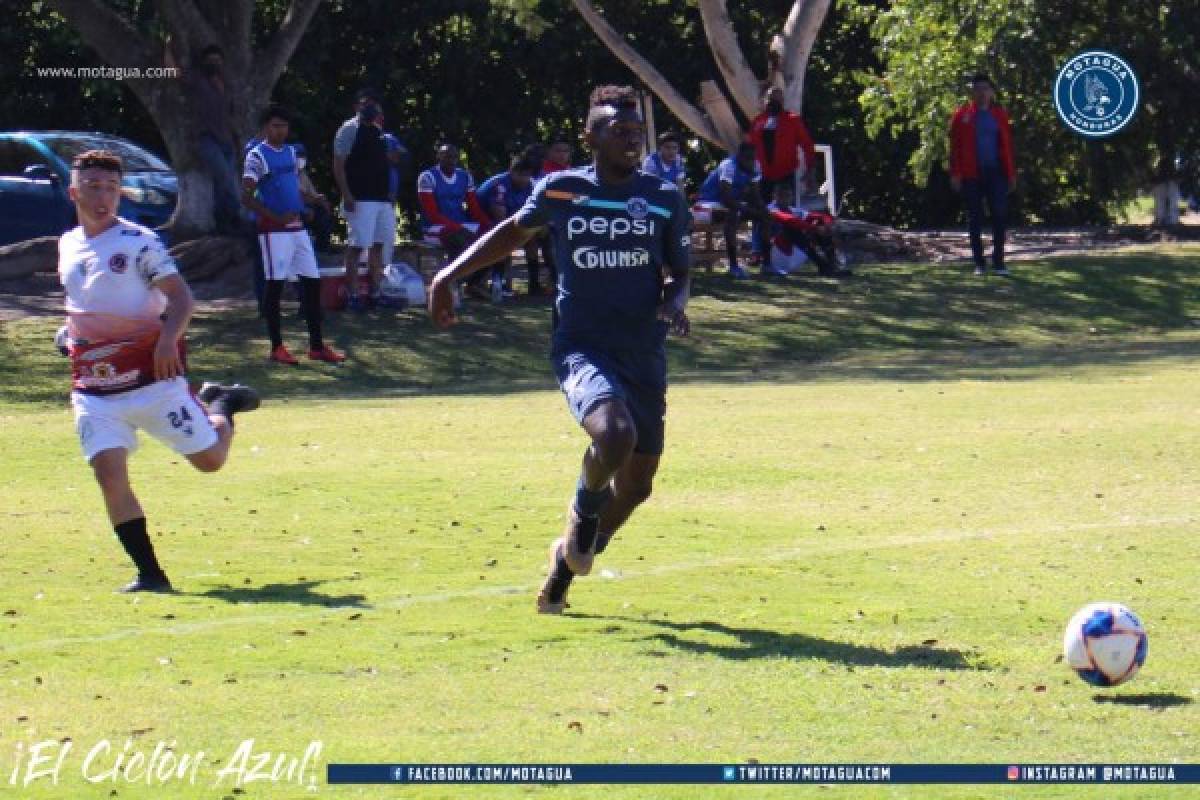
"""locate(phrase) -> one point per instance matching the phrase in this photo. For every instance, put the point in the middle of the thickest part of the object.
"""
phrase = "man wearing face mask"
(361, 167)
(212, 121)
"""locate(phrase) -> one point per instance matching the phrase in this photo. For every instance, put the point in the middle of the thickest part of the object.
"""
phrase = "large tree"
(714, 118)
(164, 33)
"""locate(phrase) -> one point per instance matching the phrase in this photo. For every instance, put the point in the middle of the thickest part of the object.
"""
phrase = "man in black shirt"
(361, 168)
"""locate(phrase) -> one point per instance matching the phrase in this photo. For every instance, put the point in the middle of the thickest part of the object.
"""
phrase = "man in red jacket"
(778, 137)
(981, 167)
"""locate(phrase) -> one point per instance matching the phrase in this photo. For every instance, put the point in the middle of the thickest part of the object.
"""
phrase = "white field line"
(779, 556)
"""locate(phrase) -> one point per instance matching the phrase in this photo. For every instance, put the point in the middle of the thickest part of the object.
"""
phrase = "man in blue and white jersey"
(271, 189)
(666, 163)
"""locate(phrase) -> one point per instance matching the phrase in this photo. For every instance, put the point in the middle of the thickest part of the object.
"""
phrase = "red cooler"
(333, 288)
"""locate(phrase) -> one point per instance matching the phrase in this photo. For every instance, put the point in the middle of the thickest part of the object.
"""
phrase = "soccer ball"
(1105, 644)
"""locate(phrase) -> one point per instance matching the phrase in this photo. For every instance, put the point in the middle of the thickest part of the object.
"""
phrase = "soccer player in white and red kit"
(127, 311)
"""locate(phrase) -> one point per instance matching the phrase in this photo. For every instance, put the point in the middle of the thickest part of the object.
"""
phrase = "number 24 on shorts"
(180, 418)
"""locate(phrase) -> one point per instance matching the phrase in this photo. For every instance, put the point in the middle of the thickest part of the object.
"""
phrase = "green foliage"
(927, 51)
(34, 37)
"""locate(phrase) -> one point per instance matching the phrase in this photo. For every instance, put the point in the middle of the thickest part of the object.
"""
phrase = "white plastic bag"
(402, 285)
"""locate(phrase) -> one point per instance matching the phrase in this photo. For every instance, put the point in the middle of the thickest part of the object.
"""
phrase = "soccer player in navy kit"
(616, 230)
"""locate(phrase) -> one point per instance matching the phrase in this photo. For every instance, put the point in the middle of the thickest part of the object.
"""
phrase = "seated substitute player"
(271, 189)
(450, 209)
(127, 311)
(615, 231)
(666, 163)
(730, 194)
(502, 196)
(810, 232)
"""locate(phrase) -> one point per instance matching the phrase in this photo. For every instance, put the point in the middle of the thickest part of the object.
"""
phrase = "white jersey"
(114, 273)
(113, 307)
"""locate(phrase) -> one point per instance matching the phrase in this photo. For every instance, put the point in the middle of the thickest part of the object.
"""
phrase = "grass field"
(879, 505)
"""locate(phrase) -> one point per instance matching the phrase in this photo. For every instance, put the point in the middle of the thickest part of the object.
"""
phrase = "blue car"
(35, 169)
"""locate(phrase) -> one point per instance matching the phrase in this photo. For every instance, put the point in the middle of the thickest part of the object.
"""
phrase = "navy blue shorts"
(587, 376)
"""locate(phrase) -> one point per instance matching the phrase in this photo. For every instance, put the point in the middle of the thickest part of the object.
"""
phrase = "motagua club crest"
(1096, 94)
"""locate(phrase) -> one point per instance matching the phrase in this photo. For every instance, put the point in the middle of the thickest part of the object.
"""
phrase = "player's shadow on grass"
(1155, 700)
(760, 643)
(300, 593)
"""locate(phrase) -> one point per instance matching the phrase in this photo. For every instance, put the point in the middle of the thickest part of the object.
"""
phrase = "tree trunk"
(184, 27)
(194, 209)
(717, 107)
(787, 58)
(799, 35)
(723, 42)
(1166, 203)
(687, 113)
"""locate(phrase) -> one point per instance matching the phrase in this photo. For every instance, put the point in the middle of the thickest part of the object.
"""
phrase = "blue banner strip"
(494, 773)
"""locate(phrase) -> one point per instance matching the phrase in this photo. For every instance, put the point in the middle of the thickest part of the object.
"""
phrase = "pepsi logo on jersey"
(609, 228)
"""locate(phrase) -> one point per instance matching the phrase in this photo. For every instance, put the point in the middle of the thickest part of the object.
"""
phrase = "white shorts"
(787, 262)
(288, 255)
(433, 233)
(703, 211)
(167, 410)
(370, 223)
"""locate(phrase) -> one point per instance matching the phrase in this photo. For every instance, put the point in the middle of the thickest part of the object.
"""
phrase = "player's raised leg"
(223, 402)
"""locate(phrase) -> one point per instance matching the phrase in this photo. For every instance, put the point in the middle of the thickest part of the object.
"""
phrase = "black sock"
(310, 289)
(560, 580)
(136, 542)
(271, 298)
(220, 408)
(602, 540)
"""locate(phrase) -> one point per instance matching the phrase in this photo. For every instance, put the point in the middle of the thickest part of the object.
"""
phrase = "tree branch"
(687, 113)
(271, 61)
(111, 35)
(723, 42)
(184, 20)
(799, 34)
(242, 29)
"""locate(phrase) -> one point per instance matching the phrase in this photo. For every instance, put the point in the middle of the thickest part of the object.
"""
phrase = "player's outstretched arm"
(495, 245)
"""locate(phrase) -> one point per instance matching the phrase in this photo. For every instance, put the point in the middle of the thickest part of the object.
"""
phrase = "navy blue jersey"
(729, 172)
(611, 244)
(500, 189)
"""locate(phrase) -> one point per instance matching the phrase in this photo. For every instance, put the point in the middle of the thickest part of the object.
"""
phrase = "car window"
(16, 155)
(133, 158)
